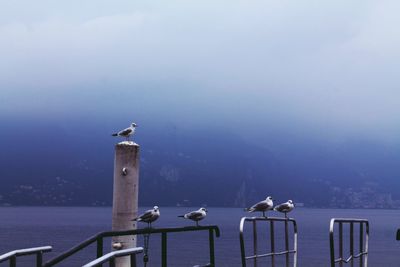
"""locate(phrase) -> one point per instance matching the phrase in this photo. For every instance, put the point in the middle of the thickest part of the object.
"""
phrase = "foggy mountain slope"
(52, 166)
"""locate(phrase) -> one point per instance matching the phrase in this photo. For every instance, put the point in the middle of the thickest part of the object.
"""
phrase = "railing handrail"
(114, 254)
(142, 231)
(286, 252)
(26, 251)
(363, 247)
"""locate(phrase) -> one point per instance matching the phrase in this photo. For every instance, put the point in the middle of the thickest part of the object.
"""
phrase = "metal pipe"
(341, 243)
(255, 242)
(164, 250)
(272, 240)
(211, 246)
(361, 248)
(352, 242)
(287, 242)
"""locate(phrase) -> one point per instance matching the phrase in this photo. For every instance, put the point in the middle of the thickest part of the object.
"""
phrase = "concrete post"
(125, 195)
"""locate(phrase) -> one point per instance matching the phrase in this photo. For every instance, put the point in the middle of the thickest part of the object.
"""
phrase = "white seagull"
(196, 215)
(262, 206)
(149, 216)
(285, 207)
(126, 132)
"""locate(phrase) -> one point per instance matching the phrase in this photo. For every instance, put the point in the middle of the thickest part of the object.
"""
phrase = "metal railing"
(110, 257)
(12, 255)
(99, 240)
(272, 253)
(362, 246)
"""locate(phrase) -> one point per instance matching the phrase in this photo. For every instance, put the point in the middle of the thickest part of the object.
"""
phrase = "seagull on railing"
(196, 215)
(262, 206)
(126, 132)
(285, 207)
(149, 216)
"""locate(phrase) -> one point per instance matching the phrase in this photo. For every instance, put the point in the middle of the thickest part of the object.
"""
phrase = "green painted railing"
(99, 240)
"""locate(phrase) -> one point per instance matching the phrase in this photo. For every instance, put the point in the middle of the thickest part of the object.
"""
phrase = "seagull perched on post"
(126, 132)
(262, 206)
(285, 207)
(196, 215)
(149, 216)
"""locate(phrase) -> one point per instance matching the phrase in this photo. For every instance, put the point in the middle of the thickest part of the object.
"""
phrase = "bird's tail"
(114, 134)
(181, 216)
(133, 220)
(246, 209)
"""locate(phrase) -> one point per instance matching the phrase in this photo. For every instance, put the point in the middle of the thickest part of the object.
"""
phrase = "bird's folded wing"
(283, 206)
(258, 205)
(194, 215)
(125, 131)
(147, 215)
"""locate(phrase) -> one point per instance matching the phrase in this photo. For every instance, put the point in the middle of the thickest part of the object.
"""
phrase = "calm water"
(64, 227)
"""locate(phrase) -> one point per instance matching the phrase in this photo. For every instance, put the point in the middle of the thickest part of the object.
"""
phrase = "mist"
(283, 76)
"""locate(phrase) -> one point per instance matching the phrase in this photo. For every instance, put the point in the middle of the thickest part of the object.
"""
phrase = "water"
(61, 227)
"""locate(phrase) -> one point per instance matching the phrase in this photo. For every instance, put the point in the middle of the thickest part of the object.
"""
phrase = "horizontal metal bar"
(274, 219)
(114, 254)
(268, 219)
(271, 254)
(351, 257)
(349, 220)
(23, 252)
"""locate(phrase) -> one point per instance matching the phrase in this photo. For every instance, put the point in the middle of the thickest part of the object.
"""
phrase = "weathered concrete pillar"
(125, 195)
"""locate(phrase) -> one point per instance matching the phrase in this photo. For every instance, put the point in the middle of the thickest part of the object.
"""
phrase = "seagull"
(149, 216)
(285, 207)
(196, 215)
(126, 132)
(262, 206)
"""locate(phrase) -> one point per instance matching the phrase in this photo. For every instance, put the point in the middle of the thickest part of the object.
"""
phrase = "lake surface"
(64, 227)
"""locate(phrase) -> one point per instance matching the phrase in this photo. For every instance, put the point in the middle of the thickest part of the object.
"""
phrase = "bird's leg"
(197, 223)
(263, 213)
(286, 215)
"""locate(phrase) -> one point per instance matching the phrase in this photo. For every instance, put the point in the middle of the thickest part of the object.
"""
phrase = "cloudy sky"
(316, 67)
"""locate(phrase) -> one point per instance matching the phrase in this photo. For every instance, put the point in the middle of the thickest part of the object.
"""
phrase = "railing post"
(255, 242)
(287, 242)
(99, 247)
(164, 250)
(13, 261)
(211, 245)
(133, 260)
(241, 238)
(331, 242)
(39, 259)
(352, 242)
(361, 243)
(341, 243)
(112, 262)
(272, 237)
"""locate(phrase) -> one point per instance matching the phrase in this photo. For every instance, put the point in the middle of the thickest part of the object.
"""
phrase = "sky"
(257, 68)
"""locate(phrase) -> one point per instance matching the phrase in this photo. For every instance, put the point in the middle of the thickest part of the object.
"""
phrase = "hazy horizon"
(308, 91)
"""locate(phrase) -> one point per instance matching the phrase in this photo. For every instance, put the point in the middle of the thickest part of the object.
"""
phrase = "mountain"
(52, 164)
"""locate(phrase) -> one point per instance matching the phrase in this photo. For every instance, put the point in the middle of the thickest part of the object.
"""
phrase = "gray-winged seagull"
(126, 132)
(196, 215)
(149, 216)
(285, 207)
(262, 206)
